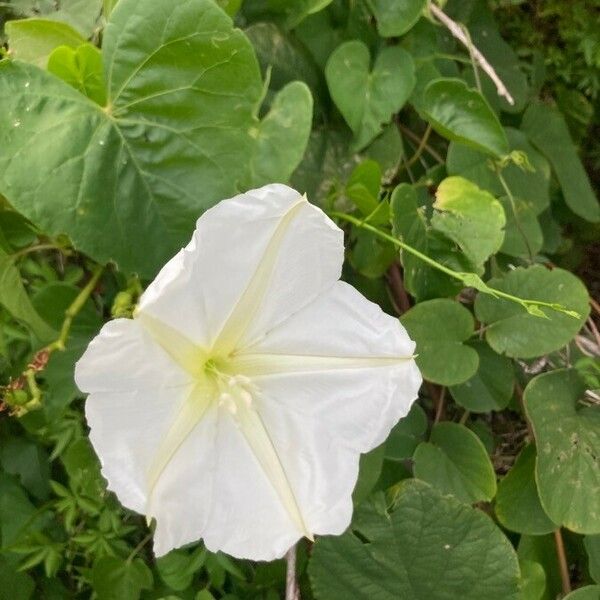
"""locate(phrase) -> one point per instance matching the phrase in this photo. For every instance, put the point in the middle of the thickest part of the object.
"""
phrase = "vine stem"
(562, 562)
(292, 591)
(467, 279)
(457, 31)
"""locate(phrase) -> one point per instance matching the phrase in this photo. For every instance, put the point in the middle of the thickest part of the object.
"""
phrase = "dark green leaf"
(455, 462)
(440, 328)
(463, 115)
(518, 506)
(114, 578)
(511, 330)
(568, 439)
(396, 17)
(428, 547)
(547, 130)
(491, 388)
(367, 98)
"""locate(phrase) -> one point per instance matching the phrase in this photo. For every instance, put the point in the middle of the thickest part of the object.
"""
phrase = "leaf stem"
(292, 591)
(467, 279)
(74, 308)
(562, 562)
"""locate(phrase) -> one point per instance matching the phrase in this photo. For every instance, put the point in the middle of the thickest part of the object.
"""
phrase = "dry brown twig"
(457, 31)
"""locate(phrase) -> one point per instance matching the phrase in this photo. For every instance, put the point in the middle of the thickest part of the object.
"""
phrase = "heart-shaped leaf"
(368, 98)
(440, 327)
(567, 435)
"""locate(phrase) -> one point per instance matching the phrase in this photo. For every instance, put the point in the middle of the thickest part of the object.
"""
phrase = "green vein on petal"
(257, 436)
(261, 365)
(191, 411)
(251, 299)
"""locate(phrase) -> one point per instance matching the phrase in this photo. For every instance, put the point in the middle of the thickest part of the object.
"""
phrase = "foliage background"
(490, 488)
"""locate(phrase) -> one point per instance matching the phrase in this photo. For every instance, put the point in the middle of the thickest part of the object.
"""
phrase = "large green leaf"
(13, 584)
(406, 435)
(469, 216)
(455, 461)
(427, 547)
(547, 130)
(463, 115)
(518, 506)
(367, 98)
(491, 388)
(16, 510)
(567, 435)
(127, 182)
(531, 186)
(440, 327)
(33, 40)
(511, 330)
(15, 300)
(396, 17)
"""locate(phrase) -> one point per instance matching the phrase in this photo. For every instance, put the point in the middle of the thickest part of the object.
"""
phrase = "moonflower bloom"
(235, 404)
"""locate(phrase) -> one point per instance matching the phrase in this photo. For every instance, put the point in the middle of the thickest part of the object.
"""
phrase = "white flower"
(235, 405)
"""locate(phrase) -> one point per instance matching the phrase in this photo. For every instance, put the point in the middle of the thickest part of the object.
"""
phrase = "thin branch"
(456, 30)
(562, 562)
(396, 285)
(415, 138)
(292, 592)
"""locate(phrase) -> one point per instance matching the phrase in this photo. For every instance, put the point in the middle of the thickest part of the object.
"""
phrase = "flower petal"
(350, 379)
(215, 488)
(254, 260)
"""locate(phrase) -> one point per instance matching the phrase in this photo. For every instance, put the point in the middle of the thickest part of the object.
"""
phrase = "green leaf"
(491, 388)
(178, 567)
(81, 14)
(568, 439)
(463, 115)
(427, 547)
(511, 330)
(455, 462)
(533, 580)
(522, 233)
(16, 301)
(371, 256)
(440, 327)
(33, 40)
(16, 510)
(396, 17)
(13, 584)
(533, 187)
(406, 435)
(19, 456)
(547, 130)
(81, 68)
(368, 98)
(592, 547)
(369, 470)
(542, 549)
(409, 223)
(589, 592)
(469, 216)
(518, 506)
(281, 136)
(363, 187)
(168, 145)
(114, 578)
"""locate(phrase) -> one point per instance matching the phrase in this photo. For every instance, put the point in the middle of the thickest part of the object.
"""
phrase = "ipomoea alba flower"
(235, 404)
